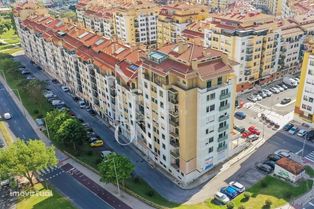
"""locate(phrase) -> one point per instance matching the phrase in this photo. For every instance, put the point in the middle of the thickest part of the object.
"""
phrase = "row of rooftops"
(88, 46)
(183, 59)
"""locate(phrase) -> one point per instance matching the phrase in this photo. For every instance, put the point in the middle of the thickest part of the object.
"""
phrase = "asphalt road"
(154, 178)
(80, 195)
(18, 123)
(309, 205)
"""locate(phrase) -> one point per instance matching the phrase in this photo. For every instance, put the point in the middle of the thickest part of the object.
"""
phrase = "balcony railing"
(222, 108)
(223, 118)
(174, 121)
(225, 96)
(223, 128)
(223, 138)
(174, 134)
(219, 149)
(175, 153)
(174, 143)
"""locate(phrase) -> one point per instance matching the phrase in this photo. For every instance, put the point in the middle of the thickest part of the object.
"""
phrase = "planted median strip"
(5, 133)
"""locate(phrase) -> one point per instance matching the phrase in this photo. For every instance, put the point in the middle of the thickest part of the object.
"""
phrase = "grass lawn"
(309, 171)
(10, 37)
(44, 202)
(276, 190)
(11, 50)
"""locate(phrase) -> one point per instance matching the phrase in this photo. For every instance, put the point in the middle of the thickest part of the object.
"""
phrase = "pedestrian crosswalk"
(256, 109)
(310, 156)
(49, 173)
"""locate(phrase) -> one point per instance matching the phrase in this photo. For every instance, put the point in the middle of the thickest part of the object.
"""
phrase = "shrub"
(287, 195)
(136, 180)
(230, 205)
(247, 195)
(241, 207)
(268, 202)
(264, 184)
(89, 152)
(35, 112)
(150, 193)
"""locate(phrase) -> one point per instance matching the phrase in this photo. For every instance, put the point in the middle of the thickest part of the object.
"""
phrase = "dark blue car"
(229, 191)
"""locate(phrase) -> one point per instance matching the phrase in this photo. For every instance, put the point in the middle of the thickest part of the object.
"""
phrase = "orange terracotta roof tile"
(290, 165)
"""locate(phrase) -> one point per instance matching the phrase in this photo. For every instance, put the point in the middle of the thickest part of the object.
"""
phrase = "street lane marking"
(311, 204)
(298, 152)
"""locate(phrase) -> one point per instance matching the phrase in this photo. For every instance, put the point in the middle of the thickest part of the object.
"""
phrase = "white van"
(290, 81)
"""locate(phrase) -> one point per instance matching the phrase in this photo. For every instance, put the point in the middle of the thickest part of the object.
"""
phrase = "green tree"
(115, 167)
(71, 132)
(35, 89)
(25, 158)
(230, 205)
(54, 120)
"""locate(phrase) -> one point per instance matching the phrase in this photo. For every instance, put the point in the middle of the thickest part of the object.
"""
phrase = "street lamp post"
(303, 147)
(46, 125)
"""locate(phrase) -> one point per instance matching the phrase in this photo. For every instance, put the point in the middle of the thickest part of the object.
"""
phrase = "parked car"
(290, 82)
(240, 115)
(229, 191)
(274, 157)
(97, 143)
(252, 98)
(246, 134)
(285, 101)
(57, 102)
(93, 139)
(302, 133)
(296, 80)
(29, 77)
(252, 137)
(287, 127)
(222, 198)
(25, 72)
(283, 153)
(82, 104)
(65, 88)
(262, 94)
(270, 163)
(258, 97)
(239, 128)
(55, 81)
(265, 168)
(310, 136)
(274, 90)
(293, 130)
(283, 86)
(254, 130)
(279, 88)
(7, 116)
(239, 187)
(267, 92)
(105, 153)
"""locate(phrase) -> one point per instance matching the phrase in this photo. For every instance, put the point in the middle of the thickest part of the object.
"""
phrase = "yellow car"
(97, 143)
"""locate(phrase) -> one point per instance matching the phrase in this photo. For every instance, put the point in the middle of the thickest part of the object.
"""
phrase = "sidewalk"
(126, 198)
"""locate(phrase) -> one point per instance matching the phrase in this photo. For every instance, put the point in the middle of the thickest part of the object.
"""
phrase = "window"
(219, 81)
(207, 109)
(161, 94)
(163, 146)
(212, 108)
(161, 104)
(210, 149)
(209, 84)
(164, 157)
(211, 139)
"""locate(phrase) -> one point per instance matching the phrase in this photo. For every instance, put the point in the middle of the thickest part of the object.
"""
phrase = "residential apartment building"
(137, 24)
(188, 96)
(304, 106)
(251, 39)
(266, 48)
(173, 19)
(176, 104)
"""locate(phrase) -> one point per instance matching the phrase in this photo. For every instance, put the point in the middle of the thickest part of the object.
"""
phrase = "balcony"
(174, 121)
(223, 128)
(175, 153)
(174, 113)
(174, 143)
(175, 164)
(113, 92)
(173, 96)
(225, 107)
(174, 134)
(225, 96)
(219, 149)
(223, 118)
(223, 138)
